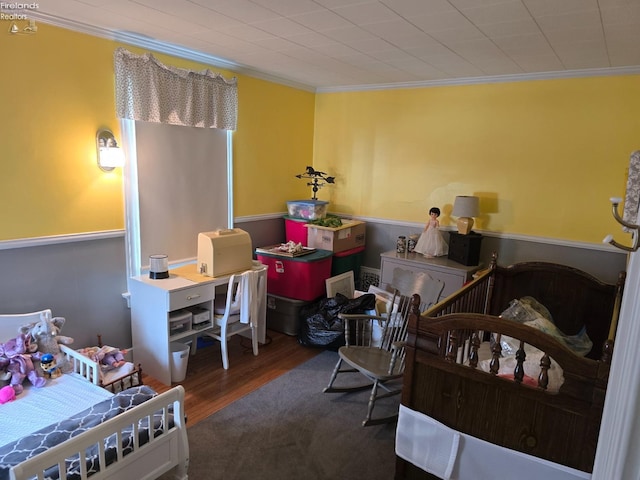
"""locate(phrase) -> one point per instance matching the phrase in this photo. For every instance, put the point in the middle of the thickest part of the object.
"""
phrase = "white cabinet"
(152, 304)
(453, 274)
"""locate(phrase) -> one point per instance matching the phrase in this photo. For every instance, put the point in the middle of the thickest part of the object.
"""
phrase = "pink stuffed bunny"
(16, 357)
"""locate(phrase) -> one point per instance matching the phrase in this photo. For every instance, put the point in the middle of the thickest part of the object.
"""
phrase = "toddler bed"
(72, 428)
(464, 415)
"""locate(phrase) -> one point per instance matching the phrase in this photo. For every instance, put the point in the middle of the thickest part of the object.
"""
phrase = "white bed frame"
(146, 462)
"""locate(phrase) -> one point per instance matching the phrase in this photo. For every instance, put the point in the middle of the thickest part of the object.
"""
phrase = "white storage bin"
(179, 322)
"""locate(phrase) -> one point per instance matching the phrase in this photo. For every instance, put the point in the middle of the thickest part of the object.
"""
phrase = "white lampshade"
(465, 208)
(110, 155)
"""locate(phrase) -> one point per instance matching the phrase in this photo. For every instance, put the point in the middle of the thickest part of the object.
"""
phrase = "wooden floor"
(209, 387)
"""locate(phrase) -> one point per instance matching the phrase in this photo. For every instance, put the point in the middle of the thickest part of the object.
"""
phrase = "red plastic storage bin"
(295, 230)
(300, 278)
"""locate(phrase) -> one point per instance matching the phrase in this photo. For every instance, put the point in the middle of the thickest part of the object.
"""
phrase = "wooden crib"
(443, 379)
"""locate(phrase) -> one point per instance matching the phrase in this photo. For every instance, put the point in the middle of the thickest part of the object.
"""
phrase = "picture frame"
(343, 284)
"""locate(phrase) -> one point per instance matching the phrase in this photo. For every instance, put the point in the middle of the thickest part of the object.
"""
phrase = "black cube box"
(465, 249)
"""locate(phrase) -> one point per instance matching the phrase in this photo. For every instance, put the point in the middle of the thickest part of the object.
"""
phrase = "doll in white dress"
(431, 242)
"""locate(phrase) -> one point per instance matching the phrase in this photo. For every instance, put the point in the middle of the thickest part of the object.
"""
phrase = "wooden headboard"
(574, 298)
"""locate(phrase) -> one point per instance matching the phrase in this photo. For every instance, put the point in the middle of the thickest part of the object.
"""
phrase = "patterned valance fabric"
(149, 91)
(632, 197)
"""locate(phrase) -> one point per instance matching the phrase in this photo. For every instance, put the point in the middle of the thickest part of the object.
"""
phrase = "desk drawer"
(190, 296)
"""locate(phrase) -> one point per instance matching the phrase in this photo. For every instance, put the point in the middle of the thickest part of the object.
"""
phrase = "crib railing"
(472, 298)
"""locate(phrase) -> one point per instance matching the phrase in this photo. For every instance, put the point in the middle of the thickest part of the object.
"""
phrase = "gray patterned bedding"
(48, 437)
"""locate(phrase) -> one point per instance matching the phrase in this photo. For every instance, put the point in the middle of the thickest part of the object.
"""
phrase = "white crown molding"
(58, 239)
(143, 41)
(520, 77)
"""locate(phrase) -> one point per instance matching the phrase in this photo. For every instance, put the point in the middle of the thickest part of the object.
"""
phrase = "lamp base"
(465, 224)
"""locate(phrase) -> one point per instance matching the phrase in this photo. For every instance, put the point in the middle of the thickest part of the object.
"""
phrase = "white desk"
(152, 301)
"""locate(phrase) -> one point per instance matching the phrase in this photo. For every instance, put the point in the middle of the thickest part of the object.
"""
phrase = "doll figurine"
(113, 358)
(108, 357)
(431, 242)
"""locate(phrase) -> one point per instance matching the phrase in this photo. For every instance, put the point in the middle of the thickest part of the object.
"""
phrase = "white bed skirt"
(452, 455)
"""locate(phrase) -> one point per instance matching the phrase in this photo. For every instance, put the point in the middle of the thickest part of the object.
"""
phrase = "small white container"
(158, 266)
(201, 317)
(179, 322)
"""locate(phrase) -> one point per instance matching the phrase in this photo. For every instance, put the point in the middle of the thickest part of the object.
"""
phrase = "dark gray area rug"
(289, 429)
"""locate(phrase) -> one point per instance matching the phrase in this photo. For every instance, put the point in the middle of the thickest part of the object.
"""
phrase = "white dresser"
(453, 274)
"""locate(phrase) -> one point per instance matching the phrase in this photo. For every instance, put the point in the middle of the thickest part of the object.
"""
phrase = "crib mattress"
(58, 399)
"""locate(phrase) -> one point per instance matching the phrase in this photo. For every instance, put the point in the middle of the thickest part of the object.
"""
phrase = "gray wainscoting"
(602, 262)
(84, 281)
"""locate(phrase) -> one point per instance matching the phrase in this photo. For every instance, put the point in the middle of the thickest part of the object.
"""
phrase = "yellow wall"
(543, 156)
(58, 90)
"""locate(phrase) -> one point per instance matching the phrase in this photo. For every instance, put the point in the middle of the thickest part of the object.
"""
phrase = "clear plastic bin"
(307, 209)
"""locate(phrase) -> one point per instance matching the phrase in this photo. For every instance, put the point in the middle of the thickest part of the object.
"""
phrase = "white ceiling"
(348, 44)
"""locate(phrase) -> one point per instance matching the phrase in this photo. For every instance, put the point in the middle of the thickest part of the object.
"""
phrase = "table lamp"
(465, 208)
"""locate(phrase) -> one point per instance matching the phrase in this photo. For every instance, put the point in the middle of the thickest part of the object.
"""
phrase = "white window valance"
(147, 90)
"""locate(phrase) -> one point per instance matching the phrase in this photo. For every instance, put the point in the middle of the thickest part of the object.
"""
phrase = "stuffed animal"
(16, 358)
(7, 394)
(49, 366)
(46, 334)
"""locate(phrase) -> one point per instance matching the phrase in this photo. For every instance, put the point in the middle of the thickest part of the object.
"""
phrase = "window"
(177, 184)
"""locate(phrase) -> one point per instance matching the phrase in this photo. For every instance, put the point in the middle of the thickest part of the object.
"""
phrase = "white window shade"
(182, 188)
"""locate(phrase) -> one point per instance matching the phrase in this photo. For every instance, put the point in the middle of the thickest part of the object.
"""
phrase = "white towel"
(426, 443)
(248, 290)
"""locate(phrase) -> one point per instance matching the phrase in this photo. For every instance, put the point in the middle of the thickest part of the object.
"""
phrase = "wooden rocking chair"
(379, 358)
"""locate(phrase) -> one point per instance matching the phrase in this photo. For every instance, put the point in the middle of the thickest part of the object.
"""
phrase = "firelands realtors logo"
(17, 14)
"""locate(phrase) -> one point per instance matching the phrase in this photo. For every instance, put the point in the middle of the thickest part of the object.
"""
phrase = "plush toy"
(16, 358)
(7, 394)
(49, 366)
(46, 334)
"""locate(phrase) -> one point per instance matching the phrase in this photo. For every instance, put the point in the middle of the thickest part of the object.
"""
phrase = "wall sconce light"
(465, 208)
(110, 155)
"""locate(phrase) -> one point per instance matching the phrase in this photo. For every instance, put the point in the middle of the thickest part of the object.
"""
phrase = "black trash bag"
(321, 327)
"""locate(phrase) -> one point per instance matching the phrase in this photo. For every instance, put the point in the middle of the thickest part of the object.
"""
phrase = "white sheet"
(473, 458)
(108, 376)
(426, 443)
(36, 408)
